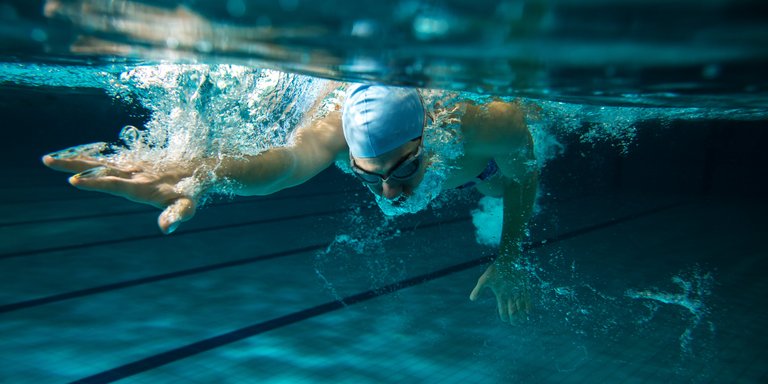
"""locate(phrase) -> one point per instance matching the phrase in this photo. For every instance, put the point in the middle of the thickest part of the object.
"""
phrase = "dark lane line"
(160, 235)
(608, 223)
(188, 350)
(155, 210)
(151, 279)
(208, 344)
(203, 269)
(186, 272)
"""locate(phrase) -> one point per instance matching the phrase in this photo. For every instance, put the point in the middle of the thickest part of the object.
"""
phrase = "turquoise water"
(645, 250)
(681, 53)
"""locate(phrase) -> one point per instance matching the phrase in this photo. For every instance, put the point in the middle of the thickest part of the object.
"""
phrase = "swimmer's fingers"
(526, 305)
(481, 283)
(72, 165)
(87, 150)
(519, 308)
(76, 159)
(178, 212)
(513, 310)
(142, 188)
(96, 179)
(503, 309)
(512, 298)
(123, 184)
(509, 311)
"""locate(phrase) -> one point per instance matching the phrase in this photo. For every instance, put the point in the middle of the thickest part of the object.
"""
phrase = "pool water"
(646, 252)
(256, 290)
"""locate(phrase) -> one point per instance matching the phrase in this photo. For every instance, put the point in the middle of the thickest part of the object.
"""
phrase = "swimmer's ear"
(178, 212)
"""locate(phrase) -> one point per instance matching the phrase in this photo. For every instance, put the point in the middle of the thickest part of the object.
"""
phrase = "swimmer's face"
(390, 163)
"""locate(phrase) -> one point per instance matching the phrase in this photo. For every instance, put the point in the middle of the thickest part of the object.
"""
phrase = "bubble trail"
(695, 291)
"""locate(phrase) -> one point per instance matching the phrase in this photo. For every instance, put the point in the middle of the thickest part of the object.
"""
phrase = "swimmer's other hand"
(133, 182)
(510, 286)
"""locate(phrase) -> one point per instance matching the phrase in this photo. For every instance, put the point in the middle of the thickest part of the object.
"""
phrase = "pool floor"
(256, 290)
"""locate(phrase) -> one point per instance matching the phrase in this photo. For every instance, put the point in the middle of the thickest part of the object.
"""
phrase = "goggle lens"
(404, 171)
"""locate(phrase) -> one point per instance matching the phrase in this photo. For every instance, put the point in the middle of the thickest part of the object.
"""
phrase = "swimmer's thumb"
(178, 212)
(479, 286)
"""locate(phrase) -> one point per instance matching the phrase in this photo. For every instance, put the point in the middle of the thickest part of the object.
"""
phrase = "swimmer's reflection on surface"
(380, 132)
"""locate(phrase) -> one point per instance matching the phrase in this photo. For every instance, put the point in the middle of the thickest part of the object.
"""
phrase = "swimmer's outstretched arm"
(314, 148)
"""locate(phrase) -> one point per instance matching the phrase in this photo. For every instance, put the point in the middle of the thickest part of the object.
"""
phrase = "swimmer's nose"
(390, 191)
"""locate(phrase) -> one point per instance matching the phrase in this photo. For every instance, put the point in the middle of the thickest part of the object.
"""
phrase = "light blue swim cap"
(377, 119)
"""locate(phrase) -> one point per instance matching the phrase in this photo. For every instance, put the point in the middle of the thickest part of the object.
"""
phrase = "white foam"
(488, 219)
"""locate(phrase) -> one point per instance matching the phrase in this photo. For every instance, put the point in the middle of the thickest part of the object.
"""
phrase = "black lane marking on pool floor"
(160, 235)
(168, 357)
(152, 279)
(186, 272)
(205, 345)
(155, 210)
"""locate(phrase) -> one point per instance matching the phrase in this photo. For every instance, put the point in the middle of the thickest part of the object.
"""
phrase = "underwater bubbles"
(130, 135)
(211, 111)
(358, 255)
(692, 295)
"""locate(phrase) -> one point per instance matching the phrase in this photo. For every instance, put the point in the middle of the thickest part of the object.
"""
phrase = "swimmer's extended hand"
(135, 183)
(510, 285)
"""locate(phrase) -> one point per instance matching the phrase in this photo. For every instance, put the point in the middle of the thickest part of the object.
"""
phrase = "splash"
(488, 220)
(571, 298)
(615, 125)
(695, 289)
(421, 197)
(358, 255)
(587, 310)
(235, 110)
(197, 112)
(220, 111)
(212, 111)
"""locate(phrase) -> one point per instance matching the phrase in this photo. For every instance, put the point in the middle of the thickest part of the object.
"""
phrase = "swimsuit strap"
(491, 169)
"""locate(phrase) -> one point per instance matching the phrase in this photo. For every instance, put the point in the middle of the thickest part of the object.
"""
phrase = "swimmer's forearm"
(519, 199)
(314, 148)
(262, 174)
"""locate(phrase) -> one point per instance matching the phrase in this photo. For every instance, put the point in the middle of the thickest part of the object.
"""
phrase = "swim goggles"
(405, 169)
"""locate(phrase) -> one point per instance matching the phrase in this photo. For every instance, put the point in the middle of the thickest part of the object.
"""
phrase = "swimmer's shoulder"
(324, 134)
(494, 123)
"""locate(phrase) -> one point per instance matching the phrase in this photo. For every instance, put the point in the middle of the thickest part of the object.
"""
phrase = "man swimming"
(380, 133)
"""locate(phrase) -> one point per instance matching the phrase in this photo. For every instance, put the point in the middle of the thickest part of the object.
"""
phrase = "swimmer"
(379, 132)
